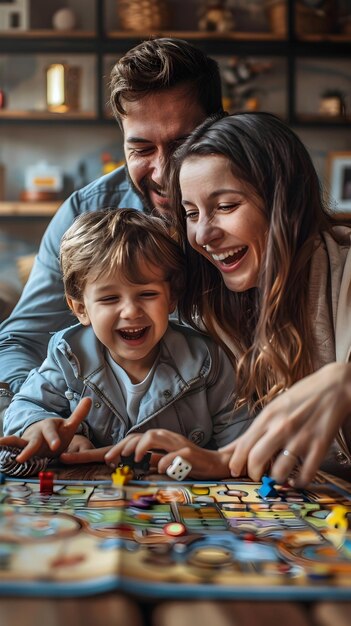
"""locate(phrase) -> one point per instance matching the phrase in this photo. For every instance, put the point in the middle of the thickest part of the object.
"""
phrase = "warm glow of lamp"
(55, 87)
(62, 87)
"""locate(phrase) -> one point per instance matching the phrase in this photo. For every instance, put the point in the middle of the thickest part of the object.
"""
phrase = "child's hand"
(79, 444)
(13, 441)
(135, 444)
(205, 463)
(50, 437)
(86, 455)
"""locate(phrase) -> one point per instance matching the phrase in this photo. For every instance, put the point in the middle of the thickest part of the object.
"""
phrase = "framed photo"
(339, 177)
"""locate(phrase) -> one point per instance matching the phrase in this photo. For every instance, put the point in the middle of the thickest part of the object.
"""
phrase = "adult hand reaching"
(296, 429)
(205, 463)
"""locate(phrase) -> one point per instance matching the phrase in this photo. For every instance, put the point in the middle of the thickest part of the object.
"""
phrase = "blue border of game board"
(173, 591)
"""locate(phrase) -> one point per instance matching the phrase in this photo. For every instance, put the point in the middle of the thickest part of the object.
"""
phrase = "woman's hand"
(296, 429)
(205, 463)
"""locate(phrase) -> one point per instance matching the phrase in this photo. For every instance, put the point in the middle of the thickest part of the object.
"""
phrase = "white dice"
(179, 468)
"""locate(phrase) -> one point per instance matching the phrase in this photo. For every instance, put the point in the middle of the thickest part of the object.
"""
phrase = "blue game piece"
(267, 488)
(2, 478)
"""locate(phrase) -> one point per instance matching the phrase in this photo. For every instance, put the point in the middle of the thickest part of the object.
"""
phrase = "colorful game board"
(225, 541)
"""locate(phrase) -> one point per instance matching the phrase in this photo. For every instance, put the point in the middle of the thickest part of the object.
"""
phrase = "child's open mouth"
(133, 333)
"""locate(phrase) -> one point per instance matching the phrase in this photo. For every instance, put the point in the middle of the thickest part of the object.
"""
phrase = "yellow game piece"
(338, 518)
(122, 475)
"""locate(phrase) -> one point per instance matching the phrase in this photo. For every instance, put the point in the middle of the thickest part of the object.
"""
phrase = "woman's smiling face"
(225, 221)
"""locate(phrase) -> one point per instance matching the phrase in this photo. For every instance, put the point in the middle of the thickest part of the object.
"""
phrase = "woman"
(269, 270)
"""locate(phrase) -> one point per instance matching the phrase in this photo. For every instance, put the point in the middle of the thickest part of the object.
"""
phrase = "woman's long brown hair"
(269, 326)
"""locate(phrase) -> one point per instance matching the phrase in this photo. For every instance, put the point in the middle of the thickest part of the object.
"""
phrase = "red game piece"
(46, 480)
(283, 568)
(249, 537)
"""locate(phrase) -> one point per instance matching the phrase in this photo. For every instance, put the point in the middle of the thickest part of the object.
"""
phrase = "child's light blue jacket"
(191, 392)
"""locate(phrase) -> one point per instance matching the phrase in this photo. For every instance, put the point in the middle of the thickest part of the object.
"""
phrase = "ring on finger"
(287, 453)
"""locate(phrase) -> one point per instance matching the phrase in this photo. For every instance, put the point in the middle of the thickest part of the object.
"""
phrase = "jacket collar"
(181, 347)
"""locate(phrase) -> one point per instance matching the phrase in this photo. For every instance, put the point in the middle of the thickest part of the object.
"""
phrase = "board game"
(167, 539)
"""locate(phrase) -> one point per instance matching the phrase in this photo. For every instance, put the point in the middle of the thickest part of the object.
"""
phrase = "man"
(160, 91)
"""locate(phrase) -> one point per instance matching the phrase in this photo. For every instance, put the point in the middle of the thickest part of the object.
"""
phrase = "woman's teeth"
(230, 256)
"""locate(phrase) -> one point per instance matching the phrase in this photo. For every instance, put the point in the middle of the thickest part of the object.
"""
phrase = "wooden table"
(115, 609)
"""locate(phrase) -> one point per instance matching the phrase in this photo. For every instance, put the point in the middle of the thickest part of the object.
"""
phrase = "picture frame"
(339, 180)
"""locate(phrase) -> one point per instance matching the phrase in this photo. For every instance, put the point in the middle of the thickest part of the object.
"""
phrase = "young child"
(123, 275)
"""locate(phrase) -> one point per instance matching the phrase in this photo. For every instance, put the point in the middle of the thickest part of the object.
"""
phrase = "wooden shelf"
(29, 209)
(326, 37)
(47, 34)
(323, 120)
(9, 114)
(197, 34)
(182, 34)
(132, 34)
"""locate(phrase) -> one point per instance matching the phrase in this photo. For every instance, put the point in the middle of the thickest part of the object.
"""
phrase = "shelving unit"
(99, 44)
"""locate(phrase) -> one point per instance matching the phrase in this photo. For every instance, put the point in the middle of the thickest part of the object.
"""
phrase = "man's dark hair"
(159, 64)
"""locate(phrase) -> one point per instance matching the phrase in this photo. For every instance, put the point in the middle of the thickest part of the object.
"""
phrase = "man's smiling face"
(153, 127)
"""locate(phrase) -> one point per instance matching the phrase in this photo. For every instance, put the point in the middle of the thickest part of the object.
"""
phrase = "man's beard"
(143, 195)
